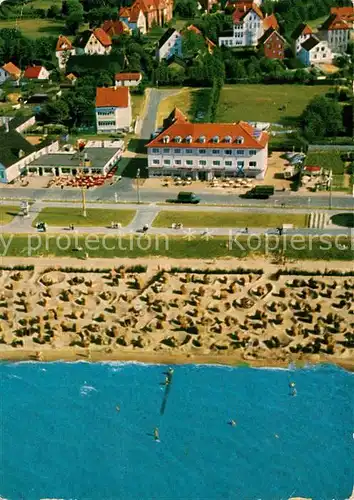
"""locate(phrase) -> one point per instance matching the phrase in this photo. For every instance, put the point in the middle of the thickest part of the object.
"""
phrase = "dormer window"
(228, 139)
(202, 138)
(189, 139)
(216, 139)
(178, 138)
(240, 140)
(166, 139)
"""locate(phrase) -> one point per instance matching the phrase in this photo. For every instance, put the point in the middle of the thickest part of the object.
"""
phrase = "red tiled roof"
(209, 131)
(114, 28)
(12, 69)
(112, 97)
(242, 9)
(134, 15)
(270, 22)
(334, 22)
(124, 12)
(63, 43)
(32, 71)
(312, 168)
(302, 29)
(194, 29)
(122, 77)
(102, 37)
(346, 13)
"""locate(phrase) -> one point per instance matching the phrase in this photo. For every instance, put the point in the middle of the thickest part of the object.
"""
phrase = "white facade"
(171, 47)
(63, 56)
(246, 33)
(320, 53)
(133, 82)
(299, 41)
(112, 119)
(94, 46)
(337, 39)
(207, 163)
(3, 76)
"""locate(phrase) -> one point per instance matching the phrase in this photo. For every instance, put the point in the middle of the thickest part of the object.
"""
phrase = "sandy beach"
(221, 312)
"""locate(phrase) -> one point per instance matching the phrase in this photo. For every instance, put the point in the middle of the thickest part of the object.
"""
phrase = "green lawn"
(44, 4)
(331, 160)
(99, 217)
(7, 213)
(176, 247)
(315, 23)
(263, 102)
(228, 219)
(35, 28)
(137, 104)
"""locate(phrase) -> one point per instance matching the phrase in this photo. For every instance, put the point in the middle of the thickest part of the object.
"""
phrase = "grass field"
(228, 219)
(7, 213)
(44, 4)
(331, 160)
(199, 248)
(61, 216)
(35, 28)
(183, 100)
(315, 23)
(137, 104)
(263, 102)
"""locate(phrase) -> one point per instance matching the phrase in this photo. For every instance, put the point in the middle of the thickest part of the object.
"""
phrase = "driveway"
(155, 96)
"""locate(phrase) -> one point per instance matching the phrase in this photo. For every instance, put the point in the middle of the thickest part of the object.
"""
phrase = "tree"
(192, 44)
(186, 8)
(75, 15)
(322, 118)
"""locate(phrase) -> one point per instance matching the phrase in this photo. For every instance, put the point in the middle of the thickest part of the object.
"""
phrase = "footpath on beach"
(145, 215)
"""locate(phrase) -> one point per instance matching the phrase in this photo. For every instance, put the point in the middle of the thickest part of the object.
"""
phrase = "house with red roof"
(273, 44)
(207, 150)
(158, 12)
(337, 28)
(94, 42)
(299, 36)
(36, 73)
(63, 50)
(9, 71)
(116, 28)
(134, 18)
(126, 79)
(248, 27)
(113, 109)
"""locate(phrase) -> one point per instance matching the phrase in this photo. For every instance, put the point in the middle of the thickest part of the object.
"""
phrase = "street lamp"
(330, 188)
(137, 184)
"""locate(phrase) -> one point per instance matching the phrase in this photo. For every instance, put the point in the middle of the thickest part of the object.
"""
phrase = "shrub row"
(299, 272)
(133, 269)
(237, 270)
(16, 268)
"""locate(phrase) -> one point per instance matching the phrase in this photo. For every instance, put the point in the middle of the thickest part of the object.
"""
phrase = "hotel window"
(178, 162)
(167, 162)
(228, 151)
(253, 152)
(216, 151)
(177, 151)
(253, 164)
(189, 151)
(228, 163)
(202, 162)
(166, 150)
(202, 151)
(189, 162)
(156, 162)
(216, 163)
(155, 150)
(240, 152)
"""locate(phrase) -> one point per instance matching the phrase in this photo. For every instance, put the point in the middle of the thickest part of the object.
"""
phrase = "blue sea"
(63, 438)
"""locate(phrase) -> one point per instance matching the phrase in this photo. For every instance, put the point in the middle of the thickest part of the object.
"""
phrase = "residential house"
(64, 49)
(314, 51)
(273, 44)
(247, 26)
(299, 36)
(9, 71)
(113, 109)
(270, 22)
(116, 28)
(94, 42)
(234, 4)
(71, 78)
(336, 32)
(134, 18)
(36, 73)
(207, 150)
(158, 12)
(125, 79)
(15, 151)
(346, 13)
(170, 44)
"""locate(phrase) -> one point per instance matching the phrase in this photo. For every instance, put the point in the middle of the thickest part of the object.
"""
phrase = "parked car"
(186, 197)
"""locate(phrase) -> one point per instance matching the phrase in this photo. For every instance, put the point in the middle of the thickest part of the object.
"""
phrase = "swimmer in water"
(170, 371)
(232, 423)
(156, 434)
(118, 408)
(276, 435)
(294, 392)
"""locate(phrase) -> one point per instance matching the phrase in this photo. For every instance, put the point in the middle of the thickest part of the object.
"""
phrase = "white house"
(36, 73)
(113, 109)
(95, 42)
(125, 79)
(207, 150)
(9, 71)
(300, 35)
(170, 44)
(247, 27)
(64, 49)
(314, 51)
(336, 32)
(134, 18)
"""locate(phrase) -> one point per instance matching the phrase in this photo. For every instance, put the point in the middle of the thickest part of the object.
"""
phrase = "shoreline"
(68, 354)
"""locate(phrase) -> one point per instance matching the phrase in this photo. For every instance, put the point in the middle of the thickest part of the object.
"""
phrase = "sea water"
(62, 436)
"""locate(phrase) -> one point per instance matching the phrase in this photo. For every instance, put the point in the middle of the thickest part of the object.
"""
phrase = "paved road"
(149, 122)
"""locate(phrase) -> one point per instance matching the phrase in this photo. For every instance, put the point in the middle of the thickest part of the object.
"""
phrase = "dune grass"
(7, 213)
(96, 217)
(228, 219)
